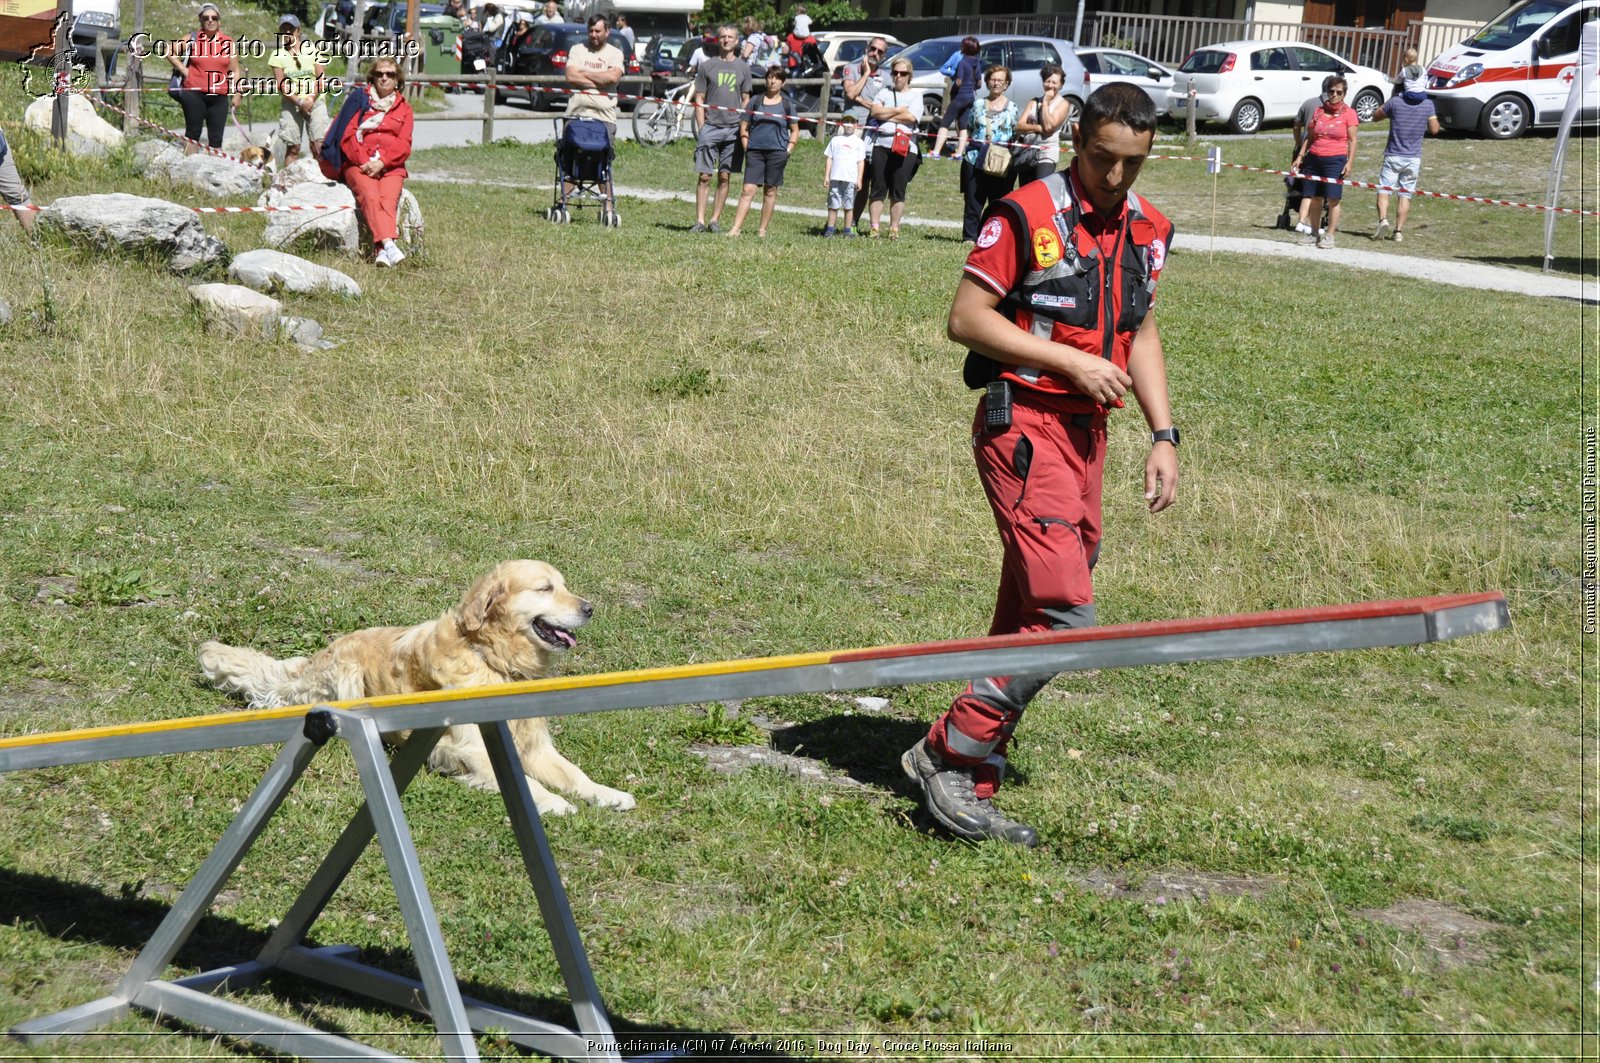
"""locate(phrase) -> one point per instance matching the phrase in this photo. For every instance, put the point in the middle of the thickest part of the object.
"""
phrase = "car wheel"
(932, 111)
(1505, 118)
(1246, 117)
(1074, 111)
(1366, 103)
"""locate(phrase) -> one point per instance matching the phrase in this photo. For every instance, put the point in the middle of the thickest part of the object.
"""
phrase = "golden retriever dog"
(511, 623)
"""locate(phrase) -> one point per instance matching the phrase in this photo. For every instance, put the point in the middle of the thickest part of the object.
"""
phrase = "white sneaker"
(1399, 237)
(396, 256)
(1303, 228)
(1383, 230)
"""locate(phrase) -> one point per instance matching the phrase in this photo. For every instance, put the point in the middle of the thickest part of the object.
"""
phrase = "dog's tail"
(265, 682)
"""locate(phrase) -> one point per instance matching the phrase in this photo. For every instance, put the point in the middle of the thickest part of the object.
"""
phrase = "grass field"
(737, 455)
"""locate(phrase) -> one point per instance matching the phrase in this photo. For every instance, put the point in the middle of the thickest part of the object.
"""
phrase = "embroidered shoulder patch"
(990, 233)
(1046, 247)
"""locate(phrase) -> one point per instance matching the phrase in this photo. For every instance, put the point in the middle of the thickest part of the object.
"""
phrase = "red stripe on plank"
(1157, 628)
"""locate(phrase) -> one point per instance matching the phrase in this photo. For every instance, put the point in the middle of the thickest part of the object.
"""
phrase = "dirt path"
(1352, 252)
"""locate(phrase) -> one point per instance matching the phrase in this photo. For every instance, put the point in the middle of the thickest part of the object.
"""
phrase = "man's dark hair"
(777, 71)
(1118, 103)
(594, 19)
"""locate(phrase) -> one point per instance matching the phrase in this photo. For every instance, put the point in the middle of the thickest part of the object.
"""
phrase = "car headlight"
(97, 18)
(1470, 72)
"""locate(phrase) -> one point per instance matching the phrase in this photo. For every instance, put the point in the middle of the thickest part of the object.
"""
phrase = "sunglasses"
(900, 73)
(1336, 92)
(210, 18)
(376, 74)
(874, 51)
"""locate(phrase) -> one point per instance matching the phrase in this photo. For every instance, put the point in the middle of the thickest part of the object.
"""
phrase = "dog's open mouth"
(557, 638)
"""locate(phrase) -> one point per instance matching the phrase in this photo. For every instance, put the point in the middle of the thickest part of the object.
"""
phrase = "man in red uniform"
(1055, 306)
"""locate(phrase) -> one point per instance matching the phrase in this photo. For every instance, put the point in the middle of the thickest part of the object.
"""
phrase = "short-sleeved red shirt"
(1330, 133)
(209, 59)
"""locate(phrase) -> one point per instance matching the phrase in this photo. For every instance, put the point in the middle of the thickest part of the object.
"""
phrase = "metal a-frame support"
(193, 999)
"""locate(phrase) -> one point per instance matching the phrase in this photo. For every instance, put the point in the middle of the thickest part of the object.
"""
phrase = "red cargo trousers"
(1042, 477)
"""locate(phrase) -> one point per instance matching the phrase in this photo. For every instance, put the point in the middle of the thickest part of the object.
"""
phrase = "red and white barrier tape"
(164, 131)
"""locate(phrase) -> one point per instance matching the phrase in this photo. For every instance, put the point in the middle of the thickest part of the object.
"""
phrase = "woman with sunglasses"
(208, 62)
(994, 121)
(895, 153)
(376, 144)
(1329, 150)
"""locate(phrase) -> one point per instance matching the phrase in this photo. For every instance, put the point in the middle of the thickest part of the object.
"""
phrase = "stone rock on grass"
(216, 177)
(118, 221)
(299, 172)
(87, 132)
(152, 157)
(331, 229)
(266, 270)
(730, 760)
(1451, 937)
(1160, 887)
(234, 310)
(5, 312)
(305, 332)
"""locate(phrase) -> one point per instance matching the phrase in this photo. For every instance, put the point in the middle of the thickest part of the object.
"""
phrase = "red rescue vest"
(1065, 291)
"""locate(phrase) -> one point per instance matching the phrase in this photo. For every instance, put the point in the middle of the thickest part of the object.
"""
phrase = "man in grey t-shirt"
(721, 89)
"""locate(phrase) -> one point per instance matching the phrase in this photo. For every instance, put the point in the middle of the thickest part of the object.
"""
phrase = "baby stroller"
(583, 160)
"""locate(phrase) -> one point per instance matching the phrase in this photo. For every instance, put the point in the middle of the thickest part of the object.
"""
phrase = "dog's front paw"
(550, 804)
(606, 797)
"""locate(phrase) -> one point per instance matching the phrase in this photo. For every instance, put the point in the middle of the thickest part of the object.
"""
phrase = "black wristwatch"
(1165, 435)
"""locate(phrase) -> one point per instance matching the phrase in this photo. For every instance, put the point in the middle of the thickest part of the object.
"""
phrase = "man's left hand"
(1161, 476)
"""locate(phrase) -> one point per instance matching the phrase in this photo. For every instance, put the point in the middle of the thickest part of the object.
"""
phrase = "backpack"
(331, 158)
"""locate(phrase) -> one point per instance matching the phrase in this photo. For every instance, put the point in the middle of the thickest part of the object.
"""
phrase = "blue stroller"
(583, 161)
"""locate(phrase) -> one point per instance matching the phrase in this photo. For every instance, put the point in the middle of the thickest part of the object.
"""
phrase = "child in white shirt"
(844, 165)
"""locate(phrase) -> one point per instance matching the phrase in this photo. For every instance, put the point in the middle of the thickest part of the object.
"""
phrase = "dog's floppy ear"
(481, 603)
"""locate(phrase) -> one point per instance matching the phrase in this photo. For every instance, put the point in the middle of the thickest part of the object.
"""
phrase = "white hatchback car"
(1107, 65)
(847, 46)
(1245, 83)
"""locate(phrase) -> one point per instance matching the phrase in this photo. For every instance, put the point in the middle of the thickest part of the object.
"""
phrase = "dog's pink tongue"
(565, 637)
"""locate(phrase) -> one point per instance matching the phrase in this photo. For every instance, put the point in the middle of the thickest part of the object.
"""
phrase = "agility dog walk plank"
(1365, 625)
(303, 730)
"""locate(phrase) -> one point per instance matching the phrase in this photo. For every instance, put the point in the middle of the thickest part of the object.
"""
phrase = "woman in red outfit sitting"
(376, 144)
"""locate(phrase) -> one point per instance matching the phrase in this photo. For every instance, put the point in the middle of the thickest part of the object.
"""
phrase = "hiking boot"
(713, 227)
(1383, 230)
(829, 231)
(947, 792)
(1399, 237)
(698, 227)
(1324, 238)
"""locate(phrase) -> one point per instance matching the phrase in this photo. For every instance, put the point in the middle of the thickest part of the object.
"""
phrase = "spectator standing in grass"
(1056, 360)
(896, 153)
(1043, 119)
(594, 67)
(768, 132)
(12, 190)
(993, 122)
(1301, 186)
(209, 62)
(721, 89)
(864, 82)
(964, 85)
(1328, 151)
(297, 68)
(376, 145)
(844, 167)
(1411, 116)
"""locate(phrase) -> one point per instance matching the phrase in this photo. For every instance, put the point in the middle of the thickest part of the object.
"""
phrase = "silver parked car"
(1023, 55)
(1106, 65)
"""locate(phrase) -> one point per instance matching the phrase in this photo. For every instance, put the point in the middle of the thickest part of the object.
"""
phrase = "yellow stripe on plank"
(432, 697)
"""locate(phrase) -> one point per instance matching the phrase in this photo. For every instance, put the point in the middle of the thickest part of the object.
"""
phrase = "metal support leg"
(587, 1007)
(345, 852)
(416, 907)
(231, 848)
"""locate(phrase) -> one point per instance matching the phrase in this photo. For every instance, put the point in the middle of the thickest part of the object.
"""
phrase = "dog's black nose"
(587, 607)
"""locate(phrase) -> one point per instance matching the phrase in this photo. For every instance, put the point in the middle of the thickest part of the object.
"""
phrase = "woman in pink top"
(1329, 150)
(209, 63)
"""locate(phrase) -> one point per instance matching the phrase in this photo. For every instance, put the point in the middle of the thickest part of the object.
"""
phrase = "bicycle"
(658, 121)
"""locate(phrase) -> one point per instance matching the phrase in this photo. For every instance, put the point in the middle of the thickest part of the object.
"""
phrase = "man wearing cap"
(1411, 115)
(297, 68)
